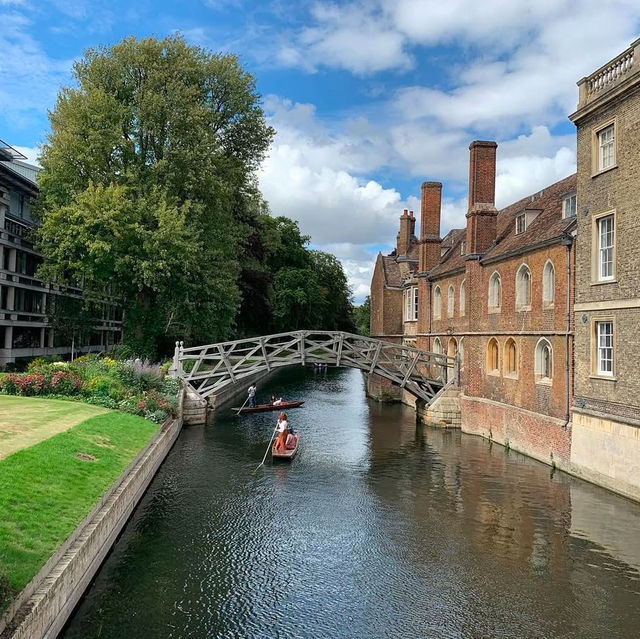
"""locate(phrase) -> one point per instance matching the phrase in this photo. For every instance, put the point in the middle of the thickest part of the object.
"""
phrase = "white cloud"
(31, 153)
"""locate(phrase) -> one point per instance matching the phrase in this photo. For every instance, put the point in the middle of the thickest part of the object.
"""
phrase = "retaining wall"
(43, 607)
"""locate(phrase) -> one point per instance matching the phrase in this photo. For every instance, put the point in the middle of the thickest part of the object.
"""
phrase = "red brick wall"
(531, 433)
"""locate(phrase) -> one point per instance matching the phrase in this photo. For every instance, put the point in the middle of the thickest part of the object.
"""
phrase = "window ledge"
(601, 171)
(494, 373)
(495, 309)
(548, 306)
(511, 376)
(606, 378)
(410, 320)
(601, 282)
(544, 381)
(521, 309)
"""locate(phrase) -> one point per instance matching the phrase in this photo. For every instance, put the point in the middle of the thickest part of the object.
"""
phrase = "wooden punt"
(287, 454)
(261, 408)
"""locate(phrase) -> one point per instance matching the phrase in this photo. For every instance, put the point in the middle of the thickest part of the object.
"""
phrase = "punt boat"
(287, 454)
(261, 408)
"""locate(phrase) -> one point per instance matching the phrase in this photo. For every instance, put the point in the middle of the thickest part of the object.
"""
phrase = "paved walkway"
(25, 421)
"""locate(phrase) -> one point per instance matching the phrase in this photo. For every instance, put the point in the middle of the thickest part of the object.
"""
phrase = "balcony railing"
(610, 75)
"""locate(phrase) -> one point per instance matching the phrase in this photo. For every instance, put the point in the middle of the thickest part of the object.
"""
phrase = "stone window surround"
(493, 357)
(548, 288)
(595, 249)
(437, 303)
(463, 298)
(521, 294)
(451, 301)
(495, 281)
(593, 338)
(538, 352)
(595, 147)
(511, 374)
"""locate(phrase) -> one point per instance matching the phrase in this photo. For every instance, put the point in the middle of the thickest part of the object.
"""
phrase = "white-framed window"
(548, 284)
(523, 287)
(495, 292)
(604, 348)
(521, 223)
(463, 247)
(411, 304)
(463, 297)
(437, 302)
(570, 205)
(606, 239)
(606, 147)
(450, 301)
(543, 360)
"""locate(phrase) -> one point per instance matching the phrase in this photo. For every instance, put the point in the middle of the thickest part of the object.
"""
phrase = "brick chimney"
(430, 205)
(482, 214)
(404, 234)
(413, 224)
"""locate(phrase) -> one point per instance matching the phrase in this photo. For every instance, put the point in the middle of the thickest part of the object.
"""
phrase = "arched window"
(452, 349)
(510, 357)
(548, 284)
(437, 303)
(463, 297)
(437, 345)
(450, 301)
(461, 352)
(495, 292)
(523, 288)
(544, 360)
(493, 356)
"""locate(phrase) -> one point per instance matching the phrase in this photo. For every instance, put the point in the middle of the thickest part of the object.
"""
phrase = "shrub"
(28, 384)
(35, 365)
(65, 382)
(158, 416)
(122, 352)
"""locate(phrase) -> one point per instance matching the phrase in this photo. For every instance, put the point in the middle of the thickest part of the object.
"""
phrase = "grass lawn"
(46, 490)
(25, 421)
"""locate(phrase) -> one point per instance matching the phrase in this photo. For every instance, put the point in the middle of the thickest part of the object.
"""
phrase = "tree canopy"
(149, 188)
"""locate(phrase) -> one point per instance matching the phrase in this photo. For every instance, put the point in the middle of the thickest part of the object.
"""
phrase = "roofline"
(14, 175)
(563, 238)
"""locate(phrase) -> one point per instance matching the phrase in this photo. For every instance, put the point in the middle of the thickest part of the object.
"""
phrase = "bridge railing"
(209, 368)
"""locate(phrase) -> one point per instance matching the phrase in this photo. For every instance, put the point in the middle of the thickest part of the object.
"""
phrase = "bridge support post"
(175, 370)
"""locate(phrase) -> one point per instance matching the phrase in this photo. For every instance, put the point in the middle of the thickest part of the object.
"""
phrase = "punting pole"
(266, 452)
(243, 405)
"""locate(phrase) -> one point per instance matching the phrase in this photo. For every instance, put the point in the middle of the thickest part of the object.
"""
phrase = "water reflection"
(376, 530)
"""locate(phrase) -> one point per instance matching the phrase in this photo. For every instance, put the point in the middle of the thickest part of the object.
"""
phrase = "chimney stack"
(482, 213)
(404, 235)
(413, 224)
(430, 205)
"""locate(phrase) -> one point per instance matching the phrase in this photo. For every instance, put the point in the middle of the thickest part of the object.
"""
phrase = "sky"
(369, 98)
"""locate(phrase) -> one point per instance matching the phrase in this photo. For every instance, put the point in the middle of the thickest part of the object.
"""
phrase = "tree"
(336, 307)
(362, 317)
(148, 181)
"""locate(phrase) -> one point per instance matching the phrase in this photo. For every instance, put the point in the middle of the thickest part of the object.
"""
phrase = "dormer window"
(521, 223)
(569, 206)
(463, 247)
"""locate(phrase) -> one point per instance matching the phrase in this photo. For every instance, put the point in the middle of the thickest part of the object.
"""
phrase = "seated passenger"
(291, 440)
(277, 402)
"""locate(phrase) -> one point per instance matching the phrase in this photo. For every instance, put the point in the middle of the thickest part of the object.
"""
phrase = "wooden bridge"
(208, 369)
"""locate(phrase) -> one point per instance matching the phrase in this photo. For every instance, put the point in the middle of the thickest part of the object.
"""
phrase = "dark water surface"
(375, 530)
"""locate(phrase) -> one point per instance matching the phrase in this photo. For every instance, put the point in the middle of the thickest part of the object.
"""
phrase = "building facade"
(25, 300)
(498, 292)
(606, 407)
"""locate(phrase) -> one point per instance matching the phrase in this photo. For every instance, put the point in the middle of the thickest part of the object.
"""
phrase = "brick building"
(25, 331)
(607, 304)
(499, 292)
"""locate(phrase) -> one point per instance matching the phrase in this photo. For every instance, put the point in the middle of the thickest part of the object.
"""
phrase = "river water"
(376, 530)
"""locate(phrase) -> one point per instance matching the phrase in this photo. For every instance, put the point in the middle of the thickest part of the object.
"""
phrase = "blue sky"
(369, 97)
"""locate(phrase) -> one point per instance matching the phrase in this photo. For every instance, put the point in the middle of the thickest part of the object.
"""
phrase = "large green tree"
(148, 185)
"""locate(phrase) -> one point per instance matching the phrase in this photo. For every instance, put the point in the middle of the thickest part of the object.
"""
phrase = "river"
(376, 530)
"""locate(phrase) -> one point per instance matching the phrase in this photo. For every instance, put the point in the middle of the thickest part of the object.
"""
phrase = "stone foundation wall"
(606, 452)
(444, 412)
(545, 438)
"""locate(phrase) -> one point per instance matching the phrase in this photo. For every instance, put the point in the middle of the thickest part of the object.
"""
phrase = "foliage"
(133, 386)
(148, 182)
(73, 487)
(362, 317)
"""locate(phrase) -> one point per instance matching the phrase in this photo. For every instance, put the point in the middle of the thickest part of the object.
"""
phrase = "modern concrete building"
(606, 408)
(25, 331)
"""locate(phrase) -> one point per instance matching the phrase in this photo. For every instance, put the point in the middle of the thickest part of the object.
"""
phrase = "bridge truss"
(208, 369)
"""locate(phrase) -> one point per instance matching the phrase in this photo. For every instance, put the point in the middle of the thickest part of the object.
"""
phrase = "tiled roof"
(391, 270)
(548, 225)
(397, 269)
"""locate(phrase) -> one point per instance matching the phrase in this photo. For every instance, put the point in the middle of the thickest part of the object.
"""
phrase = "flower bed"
(133, 386)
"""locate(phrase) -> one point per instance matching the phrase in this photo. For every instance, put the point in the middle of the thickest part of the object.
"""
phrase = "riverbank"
(47, 489)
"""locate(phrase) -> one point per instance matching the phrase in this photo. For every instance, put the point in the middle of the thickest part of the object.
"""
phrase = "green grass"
(25, 421)
(46, 490)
